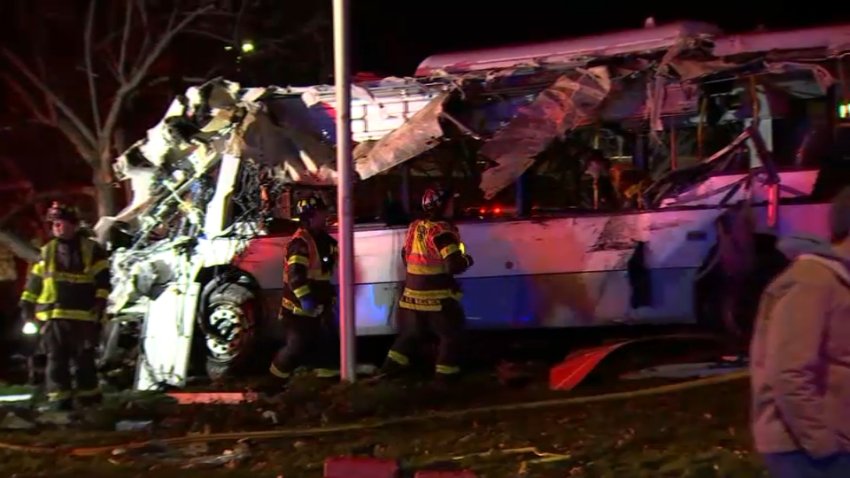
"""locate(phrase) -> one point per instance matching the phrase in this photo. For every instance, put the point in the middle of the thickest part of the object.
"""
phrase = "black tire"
(229, 330)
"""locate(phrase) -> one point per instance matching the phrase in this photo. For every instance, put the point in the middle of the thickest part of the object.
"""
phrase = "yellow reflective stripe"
(99, 267)
(422, 270)
(462, 248)
(428, 294)
(326, 373)
(49, 255)
(29, 296)
(289, 305)
(421, 307)
(295, 259)
(302, 291)
(88, 393)
(38, 268)
(56, 396)
(277, 373)
(48, 291)
(65, 314)
(102, 294)
(398, 357)
(71, 277)
(447, 369)
(449, 250)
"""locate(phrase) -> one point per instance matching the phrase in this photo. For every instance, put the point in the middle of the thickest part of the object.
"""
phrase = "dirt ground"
(700, 432)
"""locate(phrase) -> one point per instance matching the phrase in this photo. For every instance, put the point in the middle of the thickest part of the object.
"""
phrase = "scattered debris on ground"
(699, 432)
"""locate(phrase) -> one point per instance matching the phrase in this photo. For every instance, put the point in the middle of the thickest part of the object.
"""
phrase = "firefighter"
(307, 307)
(433, 254)
(66, 293)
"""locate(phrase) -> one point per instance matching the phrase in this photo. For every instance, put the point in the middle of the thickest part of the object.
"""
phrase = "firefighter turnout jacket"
(307, 272)
(70, 281)
(433, 255)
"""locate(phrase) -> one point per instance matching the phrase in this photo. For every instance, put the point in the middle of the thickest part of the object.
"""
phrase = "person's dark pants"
(311, 342)
(67, 343)
(415, 326)
(798, 464)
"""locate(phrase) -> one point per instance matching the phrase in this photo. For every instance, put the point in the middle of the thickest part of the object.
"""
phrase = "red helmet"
(435, 199)
(61, 212)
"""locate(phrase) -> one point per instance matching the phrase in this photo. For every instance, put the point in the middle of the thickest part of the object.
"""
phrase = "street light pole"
(342, 82)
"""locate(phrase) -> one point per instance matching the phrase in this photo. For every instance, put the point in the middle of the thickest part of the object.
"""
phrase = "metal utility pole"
(342, 83)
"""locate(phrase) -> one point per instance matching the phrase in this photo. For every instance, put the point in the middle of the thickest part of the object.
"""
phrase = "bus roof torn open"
(512, 101)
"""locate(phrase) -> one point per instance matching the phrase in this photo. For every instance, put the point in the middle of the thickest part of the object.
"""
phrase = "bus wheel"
(229, 331)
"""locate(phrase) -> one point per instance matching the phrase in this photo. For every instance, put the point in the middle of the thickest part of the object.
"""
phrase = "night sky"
(393, 36)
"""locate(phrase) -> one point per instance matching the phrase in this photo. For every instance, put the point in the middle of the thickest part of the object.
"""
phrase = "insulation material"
(419, 134)
(572, 99)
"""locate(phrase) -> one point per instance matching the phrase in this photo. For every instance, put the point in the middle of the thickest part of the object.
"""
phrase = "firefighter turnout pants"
(415, 326)
(311, 342)
(67, 343)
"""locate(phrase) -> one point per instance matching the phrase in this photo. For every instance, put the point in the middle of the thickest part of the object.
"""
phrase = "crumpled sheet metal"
(574, 98)
(419, 134)
(297, 157)
(178, 148)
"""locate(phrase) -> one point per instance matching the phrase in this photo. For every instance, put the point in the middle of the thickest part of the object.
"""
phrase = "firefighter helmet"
(435, 199)
(305, 207)
(62, 212)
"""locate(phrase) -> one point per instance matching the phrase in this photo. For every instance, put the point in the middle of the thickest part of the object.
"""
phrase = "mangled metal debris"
(564, 105)
(419, 134)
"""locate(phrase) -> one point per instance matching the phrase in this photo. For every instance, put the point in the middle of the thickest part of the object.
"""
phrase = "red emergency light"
(496, 210)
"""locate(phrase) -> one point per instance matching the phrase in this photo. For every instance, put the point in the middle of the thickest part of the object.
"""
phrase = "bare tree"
(96, 134)
(105, 74)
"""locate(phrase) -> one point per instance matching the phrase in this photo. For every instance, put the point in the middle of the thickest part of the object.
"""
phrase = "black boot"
(391, 369)
(66, 405)
(90, 400)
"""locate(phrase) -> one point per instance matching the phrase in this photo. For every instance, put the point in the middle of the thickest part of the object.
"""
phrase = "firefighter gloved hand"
(469, 261)
(309, 303)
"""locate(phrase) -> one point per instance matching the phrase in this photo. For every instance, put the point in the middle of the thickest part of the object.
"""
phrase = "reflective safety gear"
(71, 291)
(415, 325)
(421, 253)
(307, 306)
(429, 280)
(61, 212)
(318, 276)
(71, 344)
(311, 342)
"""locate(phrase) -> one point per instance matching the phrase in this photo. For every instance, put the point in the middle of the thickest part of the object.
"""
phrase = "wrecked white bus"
(703, 120)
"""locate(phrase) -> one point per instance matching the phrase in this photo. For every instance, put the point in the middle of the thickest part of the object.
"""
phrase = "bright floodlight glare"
(30, 329)
(247, 46)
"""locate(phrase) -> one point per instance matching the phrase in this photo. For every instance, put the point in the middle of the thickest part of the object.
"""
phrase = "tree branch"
(87, 151)
(203, 33)
(125, 38)
(27, 98)
(37, 197)
(84, 130)
(143, 14)
(89, 69)
(139, 73)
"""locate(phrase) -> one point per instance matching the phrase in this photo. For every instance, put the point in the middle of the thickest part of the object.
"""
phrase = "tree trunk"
(105, 193)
